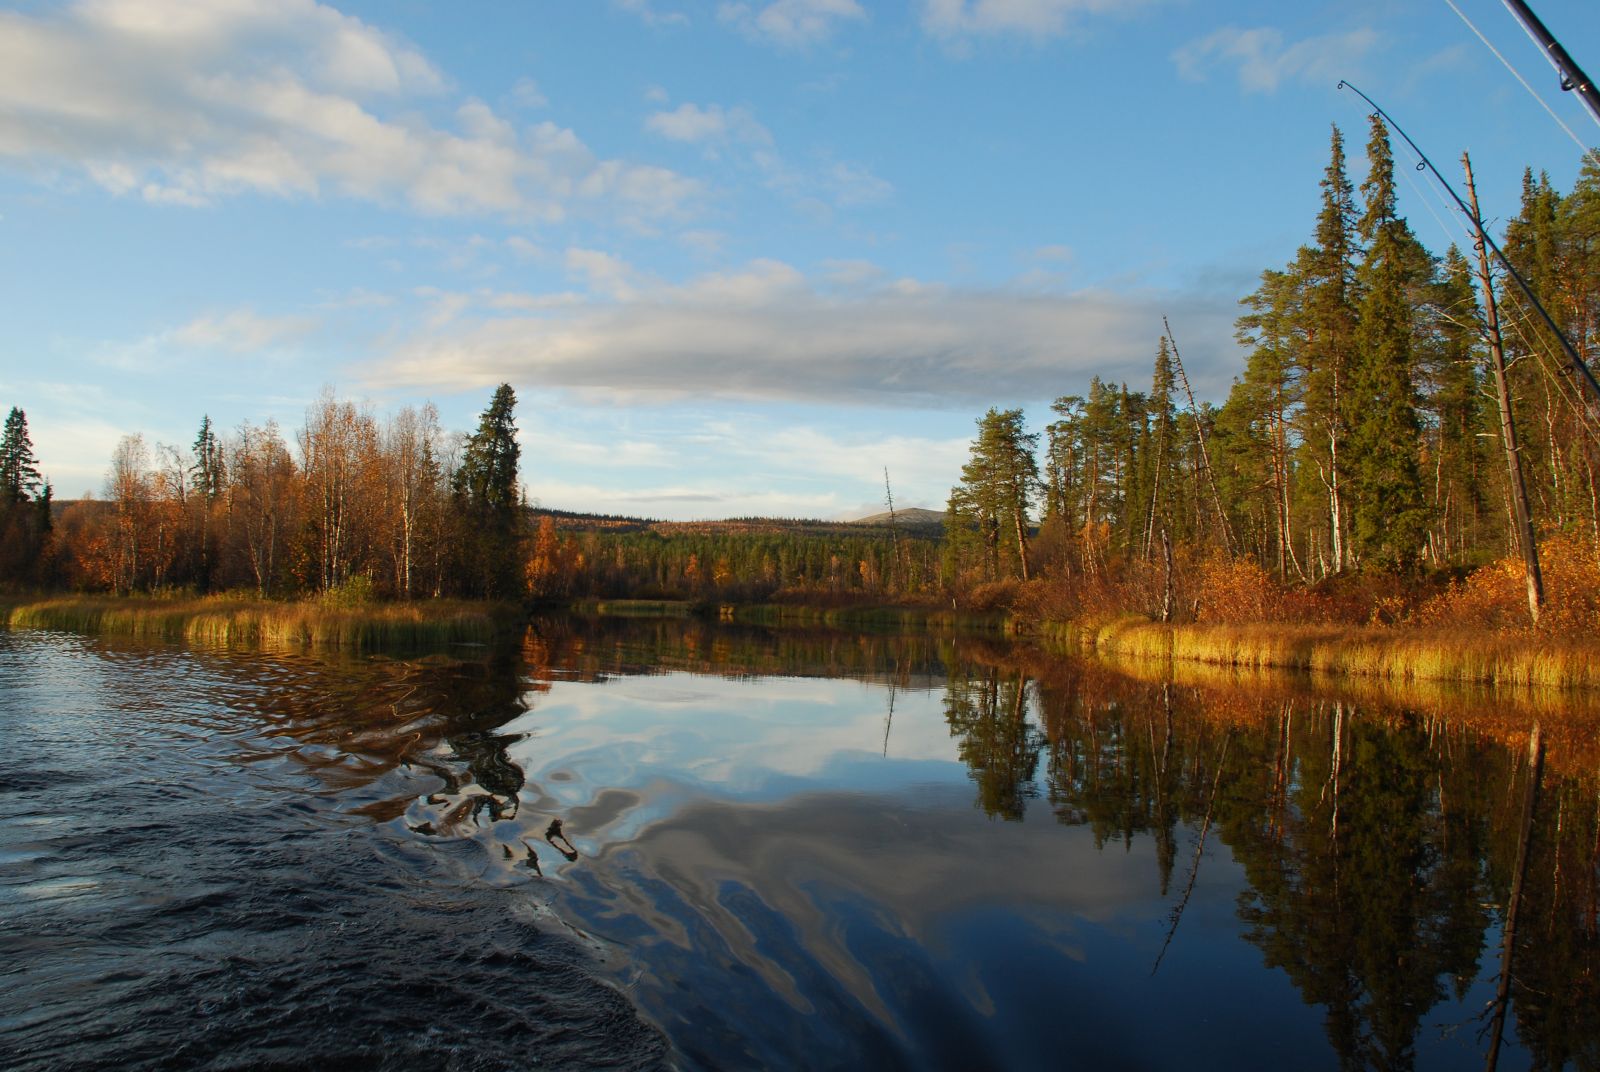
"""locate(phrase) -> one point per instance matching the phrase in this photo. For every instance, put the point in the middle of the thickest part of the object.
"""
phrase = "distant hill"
(922, 523)
(913, 518)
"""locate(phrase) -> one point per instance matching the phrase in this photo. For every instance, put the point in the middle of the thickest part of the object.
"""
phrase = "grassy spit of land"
(232, 619)
(914, 617)
(1394, 653)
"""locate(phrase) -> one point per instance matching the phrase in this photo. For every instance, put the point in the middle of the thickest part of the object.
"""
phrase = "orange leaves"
(1495, 596)
(1233, 591)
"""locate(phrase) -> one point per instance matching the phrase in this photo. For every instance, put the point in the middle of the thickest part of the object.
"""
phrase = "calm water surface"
(658, 844)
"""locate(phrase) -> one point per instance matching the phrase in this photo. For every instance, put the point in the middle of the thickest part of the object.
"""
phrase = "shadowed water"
(642, 844)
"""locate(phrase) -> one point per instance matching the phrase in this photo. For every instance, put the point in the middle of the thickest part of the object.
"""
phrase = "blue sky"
(735, 257)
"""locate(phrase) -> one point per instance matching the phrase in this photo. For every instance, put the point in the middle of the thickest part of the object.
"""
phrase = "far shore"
(1395, 654)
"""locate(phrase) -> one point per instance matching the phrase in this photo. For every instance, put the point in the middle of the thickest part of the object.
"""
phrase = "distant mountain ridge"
(912, 518)
(912, 522)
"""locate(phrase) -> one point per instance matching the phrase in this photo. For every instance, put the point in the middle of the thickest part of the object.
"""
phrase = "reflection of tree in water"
(1365, 888)
(478, 700)
(1555, 989)
(1114, 768)
(1378, 846)
(999, 745)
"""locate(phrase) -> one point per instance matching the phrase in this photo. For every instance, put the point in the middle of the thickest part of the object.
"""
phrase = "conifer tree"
(1389, 514)
(1330, 327)
(209, 470)
(1161, 452)
(1459, 415)
(485, 488)
(1268, 397)
(19, 469)
(997, 486)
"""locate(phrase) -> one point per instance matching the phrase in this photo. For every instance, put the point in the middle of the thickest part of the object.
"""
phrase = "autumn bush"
(1495, 597)
(992, 596)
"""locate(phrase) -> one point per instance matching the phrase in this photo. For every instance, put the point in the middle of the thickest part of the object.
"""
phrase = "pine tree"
(487, 501)
(1161, 453)
(19, 469)
(1389, 509)
(1266, 399)
(997, 486)
(1331, 291)
(487, 480)
(209, 471)
(1459, 416)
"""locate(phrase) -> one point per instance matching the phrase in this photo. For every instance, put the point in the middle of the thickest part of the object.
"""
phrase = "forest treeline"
(1353, 471)
(1358, 453)
(351, 508)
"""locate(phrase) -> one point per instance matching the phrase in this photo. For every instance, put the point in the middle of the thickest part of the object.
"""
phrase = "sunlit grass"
(228, 620)
(1396, 654)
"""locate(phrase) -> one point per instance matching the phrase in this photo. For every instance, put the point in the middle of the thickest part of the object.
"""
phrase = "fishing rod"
(1573, 80)
(1585, 377)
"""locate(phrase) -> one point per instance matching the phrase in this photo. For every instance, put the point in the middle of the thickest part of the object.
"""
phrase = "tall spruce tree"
(1331, 291)
(1161, 461)
(997, 486)
(1456, 436)
(209, 470)
(488, 505)
(19, 469)
(1269, 395)
(24, 503)
(1389, 505)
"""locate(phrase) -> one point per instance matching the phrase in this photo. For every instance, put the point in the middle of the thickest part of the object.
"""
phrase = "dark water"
(803, 850)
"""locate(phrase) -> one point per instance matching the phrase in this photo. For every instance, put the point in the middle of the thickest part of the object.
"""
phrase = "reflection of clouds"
(736, 736)
(865, 911)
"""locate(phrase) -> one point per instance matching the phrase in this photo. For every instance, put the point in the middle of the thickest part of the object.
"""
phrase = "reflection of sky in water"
(747, 841)
(750, 738)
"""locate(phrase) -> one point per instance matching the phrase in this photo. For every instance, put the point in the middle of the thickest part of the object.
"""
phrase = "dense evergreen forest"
(1353, 471)
(1360, 446)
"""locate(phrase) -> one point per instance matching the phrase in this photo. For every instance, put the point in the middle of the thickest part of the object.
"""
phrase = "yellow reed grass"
(227, 621)
(1395, 654)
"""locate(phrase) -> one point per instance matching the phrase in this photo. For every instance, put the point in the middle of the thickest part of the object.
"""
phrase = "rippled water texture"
(648, 844)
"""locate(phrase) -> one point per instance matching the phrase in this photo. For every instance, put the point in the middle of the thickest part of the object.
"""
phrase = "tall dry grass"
(225, 620)
(1234, 613)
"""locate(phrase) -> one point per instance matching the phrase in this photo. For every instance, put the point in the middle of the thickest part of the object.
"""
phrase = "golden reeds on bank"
(295, 625)
(1393, 653)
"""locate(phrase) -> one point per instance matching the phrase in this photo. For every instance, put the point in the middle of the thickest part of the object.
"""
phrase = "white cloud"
(952, 19)
(605, 273)
(852, 184)
(1265, 61)
(735, 132)
(646, 11)
(791, 23)
(242, 331)
(713, 123)
(768, 332)
(189, 101)
(527, 94)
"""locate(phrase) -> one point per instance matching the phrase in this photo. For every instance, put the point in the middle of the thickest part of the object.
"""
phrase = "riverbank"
(297, 625)
(1393, 653)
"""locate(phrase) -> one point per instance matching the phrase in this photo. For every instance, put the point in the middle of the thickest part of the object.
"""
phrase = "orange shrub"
(1233, 591)
(1496, 596)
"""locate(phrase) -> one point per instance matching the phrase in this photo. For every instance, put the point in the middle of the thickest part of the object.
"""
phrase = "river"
(663, 843)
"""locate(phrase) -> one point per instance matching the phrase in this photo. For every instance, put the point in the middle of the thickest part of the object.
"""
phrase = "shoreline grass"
(1389, 653)
(226, 620)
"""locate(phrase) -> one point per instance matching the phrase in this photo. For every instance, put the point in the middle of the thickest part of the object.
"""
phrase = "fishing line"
(1427, 194)
(1588, 151)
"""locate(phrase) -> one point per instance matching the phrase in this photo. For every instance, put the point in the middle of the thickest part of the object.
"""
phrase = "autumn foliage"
(1495, 596)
